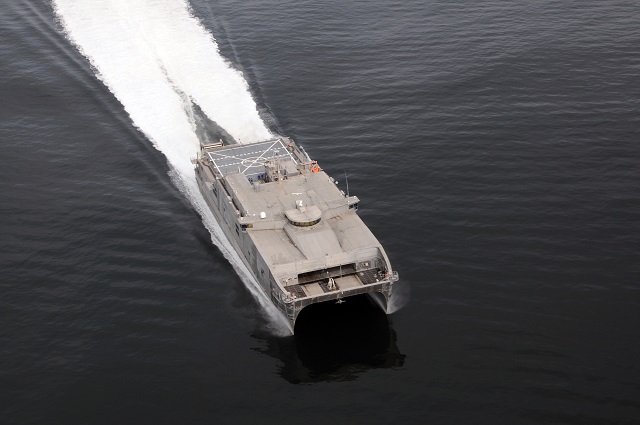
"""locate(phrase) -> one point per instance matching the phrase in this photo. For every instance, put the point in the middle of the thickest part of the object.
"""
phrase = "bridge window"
(304, 223)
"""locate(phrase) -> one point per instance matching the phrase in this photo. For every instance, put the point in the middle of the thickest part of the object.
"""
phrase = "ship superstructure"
(295, 230)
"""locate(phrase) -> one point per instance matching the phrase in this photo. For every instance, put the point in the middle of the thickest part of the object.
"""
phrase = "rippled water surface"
(493, 145)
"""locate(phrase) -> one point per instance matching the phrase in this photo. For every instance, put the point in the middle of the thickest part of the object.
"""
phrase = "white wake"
(155, 56)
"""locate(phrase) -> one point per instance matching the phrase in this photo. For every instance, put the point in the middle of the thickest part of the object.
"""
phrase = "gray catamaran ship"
(295, 230)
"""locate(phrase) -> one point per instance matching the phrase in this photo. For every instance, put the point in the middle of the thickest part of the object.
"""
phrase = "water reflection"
(335, 342)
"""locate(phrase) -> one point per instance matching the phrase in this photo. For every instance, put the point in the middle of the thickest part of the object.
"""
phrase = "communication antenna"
(346, 180)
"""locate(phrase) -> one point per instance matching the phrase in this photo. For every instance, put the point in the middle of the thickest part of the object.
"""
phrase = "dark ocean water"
(494, 147)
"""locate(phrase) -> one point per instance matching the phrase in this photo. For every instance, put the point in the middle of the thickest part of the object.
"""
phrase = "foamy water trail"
(156, 57)
(400, 296)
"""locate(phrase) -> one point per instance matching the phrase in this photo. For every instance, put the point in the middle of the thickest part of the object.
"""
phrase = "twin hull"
(281, 250)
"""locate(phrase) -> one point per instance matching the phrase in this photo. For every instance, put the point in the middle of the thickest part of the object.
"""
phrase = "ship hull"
(350, 276)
